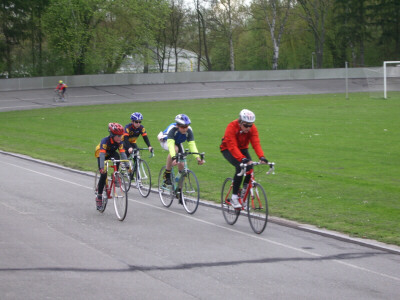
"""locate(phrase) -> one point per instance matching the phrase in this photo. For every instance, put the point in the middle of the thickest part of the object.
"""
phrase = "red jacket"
(235, 140)
(61, 86)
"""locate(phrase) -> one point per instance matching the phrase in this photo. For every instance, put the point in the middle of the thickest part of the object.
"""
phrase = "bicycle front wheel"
(56, 97)
(230, 213)
(127, 177)
(104, 195)
(190, 192)
(120, 196)
(257, 208)
(166, 192)
(143, 178)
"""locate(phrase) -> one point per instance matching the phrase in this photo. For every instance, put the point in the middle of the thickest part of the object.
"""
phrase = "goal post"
(385, 74)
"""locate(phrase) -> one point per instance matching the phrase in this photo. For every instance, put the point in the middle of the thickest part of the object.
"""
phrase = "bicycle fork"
(255, 203)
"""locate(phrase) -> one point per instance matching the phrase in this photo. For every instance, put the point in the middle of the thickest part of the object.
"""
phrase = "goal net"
(383, 81)
(391, 77)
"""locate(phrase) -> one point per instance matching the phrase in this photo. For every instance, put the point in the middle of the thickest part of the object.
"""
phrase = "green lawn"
(337, 160)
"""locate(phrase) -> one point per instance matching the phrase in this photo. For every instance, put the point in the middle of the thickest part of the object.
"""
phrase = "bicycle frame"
(186, 188)
(181, 158)
(136, 156)
(251, 183)
(254, 201)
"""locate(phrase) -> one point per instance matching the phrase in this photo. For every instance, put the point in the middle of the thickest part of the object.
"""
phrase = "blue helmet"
(136, 116)
(182, 119)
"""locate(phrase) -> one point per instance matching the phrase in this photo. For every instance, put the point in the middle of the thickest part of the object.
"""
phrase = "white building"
(187, 62)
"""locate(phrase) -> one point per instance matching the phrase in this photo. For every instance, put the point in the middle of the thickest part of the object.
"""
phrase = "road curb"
(279, 221)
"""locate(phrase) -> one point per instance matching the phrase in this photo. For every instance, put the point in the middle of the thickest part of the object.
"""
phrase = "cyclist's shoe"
(99, 202)
(167, 178)
(167, 181)
(235, 202)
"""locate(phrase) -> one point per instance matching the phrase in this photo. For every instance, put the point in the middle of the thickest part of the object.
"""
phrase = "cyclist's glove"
(245, 160)
(264, 159)
(174, 158)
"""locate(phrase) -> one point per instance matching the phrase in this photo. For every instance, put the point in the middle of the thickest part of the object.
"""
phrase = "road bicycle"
(59, 97)
(253, 200)
(114, 188)
(140, 172)
(184, 187)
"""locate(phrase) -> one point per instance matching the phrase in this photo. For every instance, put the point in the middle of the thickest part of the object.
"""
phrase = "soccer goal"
(391, 76)
(382, 80)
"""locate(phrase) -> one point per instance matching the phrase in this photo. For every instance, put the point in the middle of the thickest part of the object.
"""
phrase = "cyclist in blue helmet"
(133, 130)
(171, 139)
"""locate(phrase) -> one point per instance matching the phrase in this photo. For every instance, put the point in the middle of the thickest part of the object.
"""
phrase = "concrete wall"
(186, 77)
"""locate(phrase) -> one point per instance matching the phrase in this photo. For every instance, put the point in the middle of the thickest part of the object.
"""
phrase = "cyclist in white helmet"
(235, 148)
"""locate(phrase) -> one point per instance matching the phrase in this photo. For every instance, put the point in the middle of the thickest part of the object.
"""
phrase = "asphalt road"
(31, 99)
(55, 245)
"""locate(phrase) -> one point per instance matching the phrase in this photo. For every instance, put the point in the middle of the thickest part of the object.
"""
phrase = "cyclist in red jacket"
(61, 88)
(235, 148)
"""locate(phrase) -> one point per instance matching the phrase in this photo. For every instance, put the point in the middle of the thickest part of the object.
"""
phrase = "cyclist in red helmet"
(235, 148)
(107, 149)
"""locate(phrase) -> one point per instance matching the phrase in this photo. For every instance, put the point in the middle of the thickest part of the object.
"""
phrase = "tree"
(315, 14)
(275, 14)
(13, 29)
(228, 16)
(352, 18)
(37, 8)
(128, 29)
(177, 20)
(198, 30)
(70, 27)
(386, 15)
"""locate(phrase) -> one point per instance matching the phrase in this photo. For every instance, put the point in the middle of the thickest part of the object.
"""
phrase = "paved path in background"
(55, 245)
(30, 99)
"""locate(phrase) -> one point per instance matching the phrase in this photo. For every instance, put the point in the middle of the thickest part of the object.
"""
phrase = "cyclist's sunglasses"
(138, 122)
(247, 125)
(183, 126)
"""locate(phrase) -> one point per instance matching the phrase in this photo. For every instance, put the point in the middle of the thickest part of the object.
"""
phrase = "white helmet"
(247, 116)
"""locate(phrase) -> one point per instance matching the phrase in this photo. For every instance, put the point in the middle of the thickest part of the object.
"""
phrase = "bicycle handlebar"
(136, 150)
(182, 156)
(115, 161)
(255, 163)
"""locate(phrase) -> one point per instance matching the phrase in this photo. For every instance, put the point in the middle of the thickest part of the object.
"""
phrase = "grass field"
(337, 160)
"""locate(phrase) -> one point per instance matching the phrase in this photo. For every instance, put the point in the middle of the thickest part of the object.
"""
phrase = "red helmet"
(115, 129)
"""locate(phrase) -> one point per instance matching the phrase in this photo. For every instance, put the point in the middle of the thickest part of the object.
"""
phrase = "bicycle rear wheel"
(104, 196)
(66, 97)
(143, 178)
(166, 192)
(190, 192)
(257, 208)
(120, 196)
(230, 213)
